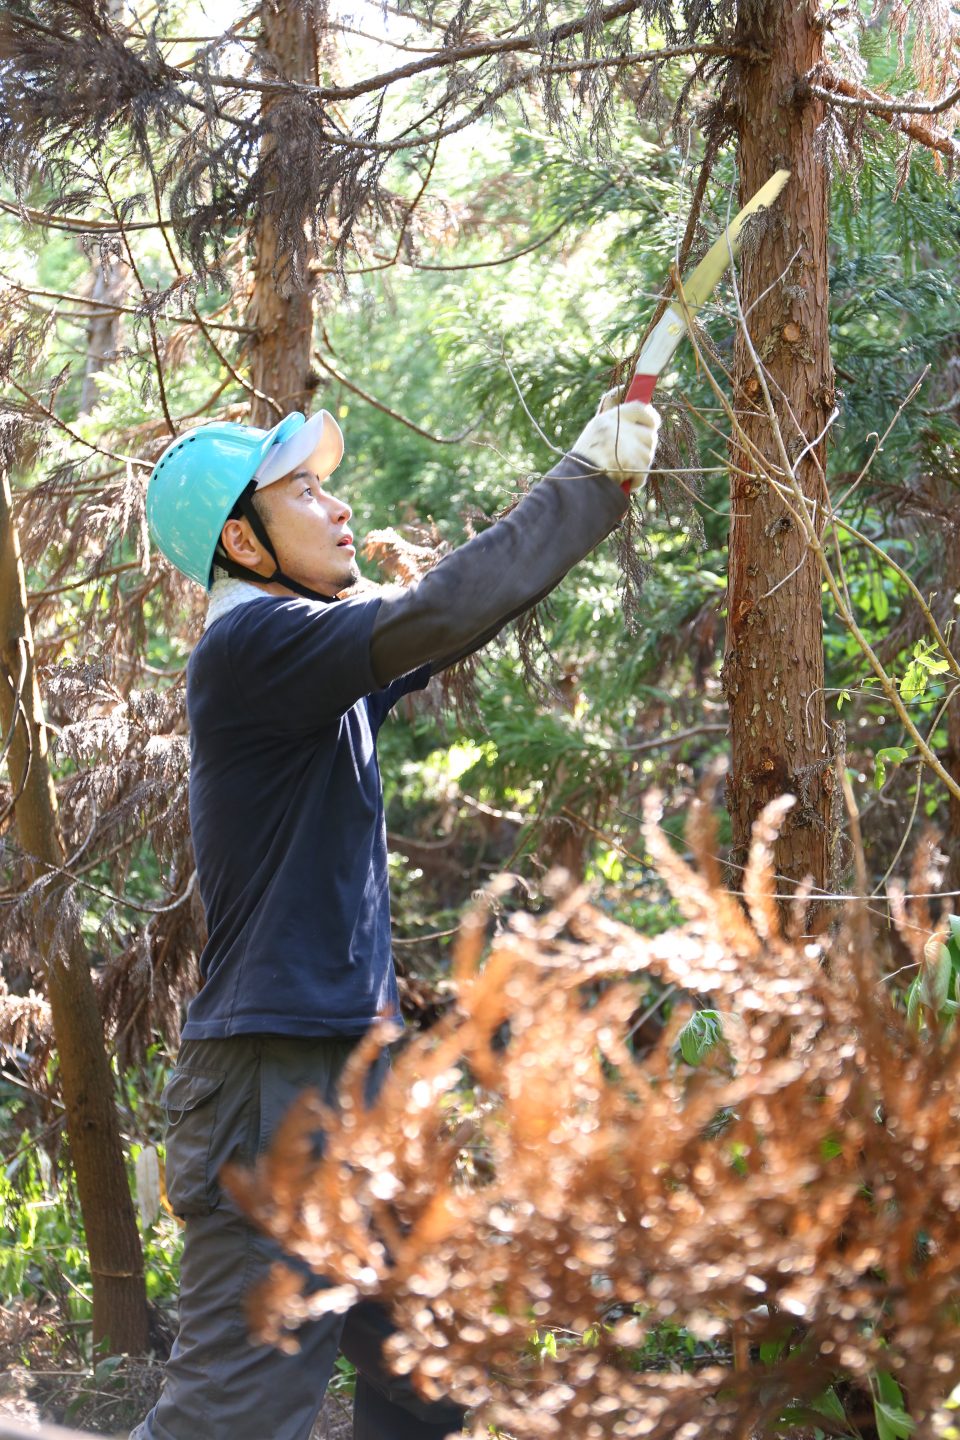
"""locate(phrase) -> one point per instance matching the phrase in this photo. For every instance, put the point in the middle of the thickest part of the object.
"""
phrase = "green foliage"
(893, 1421)
(701, 1034)
(933, 998)
(42, 1252)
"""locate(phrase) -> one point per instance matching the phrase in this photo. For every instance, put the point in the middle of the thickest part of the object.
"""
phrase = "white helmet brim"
(317, 444)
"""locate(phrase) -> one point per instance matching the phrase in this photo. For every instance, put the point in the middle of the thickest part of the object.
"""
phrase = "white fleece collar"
(226, 594)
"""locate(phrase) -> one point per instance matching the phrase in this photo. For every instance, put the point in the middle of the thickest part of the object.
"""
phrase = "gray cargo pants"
(224, 1102)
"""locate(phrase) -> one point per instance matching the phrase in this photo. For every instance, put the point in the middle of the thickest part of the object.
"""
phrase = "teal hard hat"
(198, 479)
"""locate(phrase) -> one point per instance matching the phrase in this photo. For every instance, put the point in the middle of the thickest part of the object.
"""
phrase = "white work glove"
(621, 439)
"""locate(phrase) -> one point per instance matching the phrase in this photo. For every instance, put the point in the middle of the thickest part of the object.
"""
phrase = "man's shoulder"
(276, 615)
(288, 657)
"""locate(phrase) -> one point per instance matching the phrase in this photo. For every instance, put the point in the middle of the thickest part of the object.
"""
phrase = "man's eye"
(306, 490)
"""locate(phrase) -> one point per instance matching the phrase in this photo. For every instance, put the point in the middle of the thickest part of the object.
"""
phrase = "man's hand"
(620, 439)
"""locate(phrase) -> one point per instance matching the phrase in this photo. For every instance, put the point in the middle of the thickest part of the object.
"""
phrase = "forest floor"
(42, 1381)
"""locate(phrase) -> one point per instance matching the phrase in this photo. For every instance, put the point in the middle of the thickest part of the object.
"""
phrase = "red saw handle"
(641, 388)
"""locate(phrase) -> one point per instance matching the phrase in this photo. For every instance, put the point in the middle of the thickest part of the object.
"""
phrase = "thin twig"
(386, 410)
(951, 695)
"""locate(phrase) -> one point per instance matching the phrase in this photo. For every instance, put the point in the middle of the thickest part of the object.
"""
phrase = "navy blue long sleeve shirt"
(286, 809)
(285, 698)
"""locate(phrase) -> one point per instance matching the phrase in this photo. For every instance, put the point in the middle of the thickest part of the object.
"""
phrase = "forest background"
(452, 227)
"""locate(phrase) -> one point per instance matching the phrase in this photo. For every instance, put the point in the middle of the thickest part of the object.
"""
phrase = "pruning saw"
(697, 289)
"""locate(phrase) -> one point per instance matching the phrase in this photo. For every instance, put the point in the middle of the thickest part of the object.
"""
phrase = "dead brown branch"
(759, 1193)
(837, 89)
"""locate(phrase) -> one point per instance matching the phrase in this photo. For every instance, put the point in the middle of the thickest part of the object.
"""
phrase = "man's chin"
(351, 579)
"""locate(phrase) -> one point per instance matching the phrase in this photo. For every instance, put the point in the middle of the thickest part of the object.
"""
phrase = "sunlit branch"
(950, 696)
(106, 305)
(386, 410)
(151, 322)
(76, 227)
(485, 49)
(50, 415)
(524, 249)
(839, 91)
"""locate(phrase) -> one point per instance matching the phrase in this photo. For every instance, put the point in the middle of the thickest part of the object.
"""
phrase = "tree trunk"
(282, 317)
(113, 1241)
(110, 281)
(773, 663)
(111, 278)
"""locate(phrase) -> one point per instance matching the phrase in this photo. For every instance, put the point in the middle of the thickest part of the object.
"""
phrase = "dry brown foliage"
(802, 1185)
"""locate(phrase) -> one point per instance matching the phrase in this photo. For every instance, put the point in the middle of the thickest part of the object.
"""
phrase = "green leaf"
(893, 1423)
(771, 1350)
(953, 944)
(829, 1403)
(700, 1034)
(888, 1389)
(935, 980)
(914, 681)
(879, 601)
(106, 1367)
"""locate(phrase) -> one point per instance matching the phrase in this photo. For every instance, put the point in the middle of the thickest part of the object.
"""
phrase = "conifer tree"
(112, 1238)
(255, 149)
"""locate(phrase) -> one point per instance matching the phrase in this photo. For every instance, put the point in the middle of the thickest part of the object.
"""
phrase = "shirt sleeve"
(299, 663)
(383, 701)
(477, 589)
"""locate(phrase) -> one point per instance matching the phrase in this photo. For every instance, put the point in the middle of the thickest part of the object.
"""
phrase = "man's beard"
(351, 580)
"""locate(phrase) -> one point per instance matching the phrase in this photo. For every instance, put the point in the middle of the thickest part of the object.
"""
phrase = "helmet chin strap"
(242, 572)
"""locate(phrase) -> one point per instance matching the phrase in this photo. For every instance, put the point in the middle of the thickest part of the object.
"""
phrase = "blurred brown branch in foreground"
(800, 1190)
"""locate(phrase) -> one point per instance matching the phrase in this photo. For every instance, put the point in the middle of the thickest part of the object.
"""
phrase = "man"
(286, 692)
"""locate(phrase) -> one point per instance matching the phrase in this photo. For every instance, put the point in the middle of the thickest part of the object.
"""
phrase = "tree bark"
(110, 281)
(111, 278)
(773, 663)
(113, 1240)
(281, 315)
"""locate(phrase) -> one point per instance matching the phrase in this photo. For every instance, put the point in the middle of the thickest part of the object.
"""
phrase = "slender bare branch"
(386, 410)
(838, 91)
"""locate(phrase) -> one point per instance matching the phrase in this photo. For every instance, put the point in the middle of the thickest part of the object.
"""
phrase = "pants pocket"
(190, 1100)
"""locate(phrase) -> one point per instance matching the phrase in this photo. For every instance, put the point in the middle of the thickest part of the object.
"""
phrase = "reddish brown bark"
(113, 1240)
(281, 314)
(773, 665)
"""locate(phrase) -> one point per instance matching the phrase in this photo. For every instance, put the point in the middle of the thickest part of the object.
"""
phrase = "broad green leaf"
(880, 603)
(914, 681)
(829, 1403)
(935, 979)
(888, 1389)
(701, 1032)
(893, 1423)
(771, 1350)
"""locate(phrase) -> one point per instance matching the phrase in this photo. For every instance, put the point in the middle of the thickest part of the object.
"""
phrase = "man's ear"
(240, 543)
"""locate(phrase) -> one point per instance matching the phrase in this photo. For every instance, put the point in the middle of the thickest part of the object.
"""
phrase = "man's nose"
(341, 510)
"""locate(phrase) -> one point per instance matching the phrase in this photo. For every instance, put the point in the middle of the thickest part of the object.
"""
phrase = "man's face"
(310, 533)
